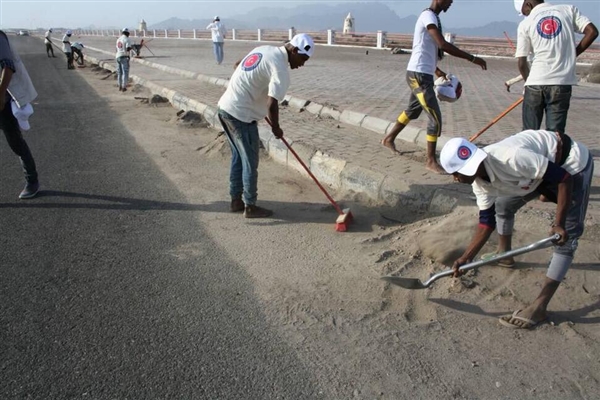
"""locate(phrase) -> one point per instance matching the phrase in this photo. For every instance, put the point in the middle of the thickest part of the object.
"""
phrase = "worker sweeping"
(259, 83)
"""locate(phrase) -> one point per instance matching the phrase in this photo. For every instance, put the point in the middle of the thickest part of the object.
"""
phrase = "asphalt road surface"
(93, 302)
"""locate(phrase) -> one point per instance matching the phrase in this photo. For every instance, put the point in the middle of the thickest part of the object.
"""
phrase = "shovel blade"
(406, 283)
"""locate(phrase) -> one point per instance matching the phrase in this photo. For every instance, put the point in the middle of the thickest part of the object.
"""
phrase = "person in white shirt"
(548, 33)
(218, 33)
(122, 56)
(518, 6)
(67, 49)
(48, 42)
(77, 49)
(428, 48)
(259, 83)
(508, 174)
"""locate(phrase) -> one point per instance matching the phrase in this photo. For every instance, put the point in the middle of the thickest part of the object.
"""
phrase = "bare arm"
(523, 67)
(565, 188)
(273, 117)
(452, 49)
(482, 235)
(5, 78)
(590, 33)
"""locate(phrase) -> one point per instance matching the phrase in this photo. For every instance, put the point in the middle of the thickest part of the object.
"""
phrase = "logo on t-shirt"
(251, 62)
(549, 27)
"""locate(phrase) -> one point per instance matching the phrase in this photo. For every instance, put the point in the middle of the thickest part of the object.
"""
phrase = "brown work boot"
(237, 205)
(256, 212)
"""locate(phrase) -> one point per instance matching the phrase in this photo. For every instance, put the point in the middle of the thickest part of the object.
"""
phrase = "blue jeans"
(12, 132)
(218, 51)
(552, 99)
(244, 141)
(123, 71)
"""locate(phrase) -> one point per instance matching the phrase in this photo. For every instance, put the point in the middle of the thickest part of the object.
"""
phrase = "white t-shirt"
(517, 164)
(549, 33)
(263, 73)
(424, 50)
(48, 37)
(218, 31)
(123, 43)
(77, 45)
(66, 46)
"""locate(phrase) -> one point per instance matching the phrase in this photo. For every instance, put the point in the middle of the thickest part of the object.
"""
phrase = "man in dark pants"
(8, 122)
(549, 33)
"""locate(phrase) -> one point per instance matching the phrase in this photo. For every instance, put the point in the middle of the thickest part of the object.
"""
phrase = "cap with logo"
(216, 18)
(22, 114)
(69, 33)
(124, 30)
(304, 43)
(460, 155)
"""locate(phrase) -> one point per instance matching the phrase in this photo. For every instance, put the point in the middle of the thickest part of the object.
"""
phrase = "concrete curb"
(334, 172)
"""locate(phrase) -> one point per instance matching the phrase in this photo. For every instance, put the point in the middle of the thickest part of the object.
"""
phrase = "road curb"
(331, 171)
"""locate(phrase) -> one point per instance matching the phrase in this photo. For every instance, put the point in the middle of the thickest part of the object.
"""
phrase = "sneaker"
(30, 191)
(237, 205)
(256, 212)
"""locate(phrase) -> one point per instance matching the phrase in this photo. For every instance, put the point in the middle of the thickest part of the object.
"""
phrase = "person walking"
(259, 82)
(16, 92)
(428, 48)
(218, 33)
(548, 33)
(122, 56)
(48, 42)
(67, 49)
(504, 177)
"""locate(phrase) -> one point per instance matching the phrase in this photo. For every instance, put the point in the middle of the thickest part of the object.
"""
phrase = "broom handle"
(509, 109)
(333, 203)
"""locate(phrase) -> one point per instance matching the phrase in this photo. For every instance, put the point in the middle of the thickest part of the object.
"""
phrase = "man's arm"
(273, 117)
(487, 224)
(5, 77)
(590, 33)
(452, 49)
(523, 67)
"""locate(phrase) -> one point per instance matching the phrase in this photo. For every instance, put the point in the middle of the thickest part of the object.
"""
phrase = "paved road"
(93, 301)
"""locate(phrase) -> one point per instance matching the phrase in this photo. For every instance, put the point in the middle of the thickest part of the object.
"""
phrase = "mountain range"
(369, 17)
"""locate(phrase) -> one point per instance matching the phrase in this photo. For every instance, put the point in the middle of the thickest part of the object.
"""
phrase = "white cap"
(460, 155)
(124, 30)
(69, 32)
(216, 18)
(519, 6)
(22, 114)
(50, 30)
(304, 43)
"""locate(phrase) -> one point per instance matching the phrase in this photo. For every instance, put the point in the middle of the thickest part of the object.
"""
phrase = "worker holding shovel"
(259, 83)
(508, 174)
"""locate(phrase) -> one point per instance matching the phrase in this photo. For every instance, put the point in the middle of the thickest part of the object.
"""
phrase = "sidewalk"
(354, 97)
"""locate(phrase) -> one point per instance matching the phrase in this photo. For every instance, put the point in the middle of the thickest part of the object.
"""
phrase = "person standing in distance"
(259, 83)
(48, 42)
(548, 33)
(428, 48)
(218, 33)
(67, 49)
(122, 56)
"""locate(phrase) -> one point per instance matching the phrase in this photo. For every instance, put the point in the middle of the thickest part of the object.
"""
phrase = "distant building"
(142, 26)
(349, 24)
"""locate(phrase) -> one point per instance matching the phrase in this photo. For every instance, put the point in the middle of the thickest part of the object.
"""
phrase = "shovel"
(413, 283)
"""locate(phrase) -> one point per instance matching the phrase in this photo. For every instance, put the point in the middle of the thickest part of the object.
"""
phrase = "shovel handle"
(522, 250)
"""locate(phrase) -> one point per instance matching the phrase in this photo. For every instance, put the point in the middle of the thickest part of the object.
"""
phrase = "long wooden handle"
(498, 118)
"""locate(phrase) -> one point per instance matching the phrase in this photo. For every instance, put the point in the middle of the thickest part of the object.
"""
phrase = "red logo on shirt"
(251, 62)
(549, 27)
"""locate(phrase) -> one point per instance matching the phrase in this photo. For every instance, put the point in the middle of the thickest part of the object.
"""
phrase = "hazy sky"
(32, 14)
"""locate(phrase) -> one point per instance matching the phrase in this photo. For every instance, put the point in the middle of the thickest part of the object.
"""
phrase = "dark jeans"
(10, 127)
(245, 144)
(69, 60)
(554, 100)
(49, 49)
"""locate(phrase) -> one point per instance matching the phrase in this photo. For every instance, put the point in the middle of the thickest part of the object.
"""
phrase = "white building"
(349, 24)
